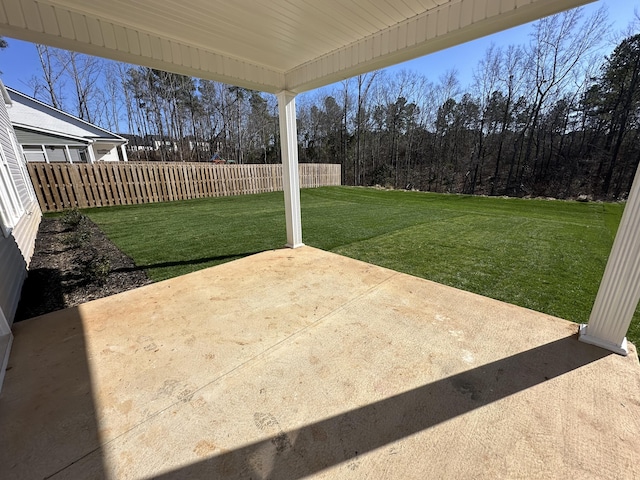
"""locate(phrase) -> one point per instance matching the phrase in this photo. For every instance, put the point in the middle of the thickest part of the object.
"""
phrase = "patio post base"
(583, 336)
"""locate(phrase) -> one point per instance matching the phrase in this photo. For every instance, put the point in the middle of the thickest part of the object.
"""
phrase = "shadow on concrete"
(294, 454)
(195, 261)
(48, 419)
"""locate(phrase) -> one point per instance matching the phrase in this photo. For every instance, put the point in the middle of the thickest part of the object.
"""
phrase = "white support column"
(92, 156)
(124, 153)
(290, 179)
(619, 291)
(44, 152)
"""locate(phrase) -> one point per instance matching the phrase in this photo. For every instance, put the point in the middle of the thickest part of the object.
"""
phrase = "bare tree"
(486, 78)
(113, 95)
(83, 71)
(61, 68)
(559, 43)
(364, 83)
(52, 76)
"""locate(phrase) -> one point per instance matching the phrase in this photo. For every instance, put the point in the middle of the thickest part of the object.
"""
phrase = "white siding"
(19, 220)
(19, 170)
(10, 205)
(58, 134)
(18, 237)
(105, 152)
(14, 271)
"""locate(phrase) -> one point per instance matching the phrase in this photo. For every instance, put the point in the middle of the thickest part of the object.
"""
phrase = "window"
(57, 154)
(34, 153)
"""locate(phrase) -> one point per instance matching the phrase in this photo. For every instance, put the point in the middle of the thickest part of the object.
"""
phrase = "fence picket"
(79, 186)
(60, 174)
(51, 182)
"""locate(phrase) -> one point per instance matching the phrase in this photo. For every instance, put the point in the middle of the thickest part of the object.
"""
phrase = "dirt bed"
(74, 262)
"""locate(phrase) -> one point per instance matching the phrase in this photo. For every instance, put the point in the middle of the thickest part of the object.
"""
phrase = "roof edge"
(5, 94)
(22, 126)
(24, 95)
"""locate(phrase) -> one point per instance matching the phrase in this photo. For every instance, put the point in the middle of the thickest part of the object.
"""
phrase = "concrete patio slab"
(302, 363)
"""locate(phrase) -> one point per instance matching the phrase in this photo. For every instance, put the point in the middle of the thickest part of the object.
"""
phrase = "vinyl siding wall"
(19, 229)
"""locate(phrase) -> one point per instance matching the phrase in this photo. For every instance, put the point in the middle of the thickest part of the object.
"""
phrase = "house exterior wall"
(40, 147)
(30, 137)
(19, 219)
(19, 226)
(106, 152)
(29, 111)
(25, 111)
(52, 154)
(15, 254)
(63, 136)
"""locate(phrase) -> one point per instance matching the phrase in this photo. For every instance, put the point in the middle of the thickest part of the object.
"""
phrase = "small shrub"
(99, 269)
(96, 268)
(72, 218)
(77, 224)
(80, 236)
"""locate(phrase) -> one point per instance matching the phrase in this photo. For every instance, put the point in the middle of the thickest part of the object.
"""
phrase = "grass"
(544, 255)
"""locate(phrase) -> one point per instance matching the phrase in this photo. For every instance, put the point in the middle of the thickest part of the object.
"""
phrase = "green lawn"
(544, 255)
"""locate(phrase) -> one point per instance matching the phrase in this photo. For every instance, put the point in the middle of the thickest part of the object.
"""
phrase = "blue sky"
(19, 63)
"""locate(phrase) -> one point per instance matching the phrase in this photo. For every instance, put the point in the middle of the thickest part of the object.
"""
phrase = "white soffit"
(267, 45)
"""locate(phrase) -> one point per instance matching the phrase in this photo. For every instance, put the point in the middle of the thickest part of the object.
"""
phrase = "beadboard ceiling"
(266, 45)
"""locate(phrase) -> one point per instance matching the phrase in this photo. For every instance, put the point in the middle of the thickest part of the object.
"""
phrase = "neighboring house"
(199, 145)
(49, 135)
(19, 219)
(151, 143)
(137, 143)
(161, 143)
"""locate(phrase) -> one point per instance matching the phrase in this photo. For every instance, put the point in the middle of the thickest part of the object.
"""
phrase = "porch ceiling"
(267, 45)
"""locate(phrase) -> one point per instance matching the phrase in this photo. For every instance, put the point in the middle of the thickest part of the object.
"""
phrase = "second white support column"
(619, 291)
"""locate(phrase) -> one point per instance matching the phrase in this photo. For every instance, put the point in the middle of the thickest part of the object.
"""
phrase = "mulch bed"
(73, 264)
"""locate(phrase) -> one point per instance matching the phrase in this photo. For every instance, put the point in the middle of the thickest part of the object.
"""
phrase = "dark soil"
(74, 263)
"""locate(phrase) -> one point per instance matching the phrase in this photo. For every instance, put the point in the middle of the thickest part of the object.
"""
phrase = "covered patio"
(286, 48)
(299, 362)
(292, 363)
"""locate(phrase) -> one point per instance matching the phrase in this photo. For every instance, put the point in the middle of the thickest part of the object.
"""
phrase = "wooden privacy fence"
(61, 185)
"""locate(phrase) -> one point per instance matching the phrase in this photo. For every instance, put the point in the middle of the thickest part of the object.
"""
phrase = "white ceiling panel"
(268, 45)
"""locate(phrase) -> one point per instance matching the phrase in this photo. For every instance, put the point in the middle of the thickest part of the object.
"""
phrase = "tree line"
(553, 117)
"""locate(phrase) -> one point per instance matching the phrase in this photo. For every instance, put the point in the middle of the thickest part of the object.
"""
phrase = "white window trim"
(10, 205)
